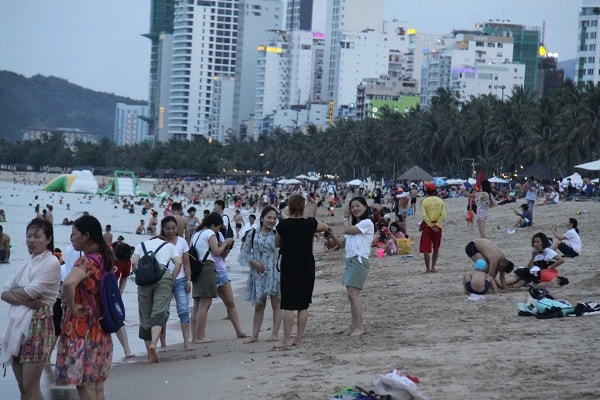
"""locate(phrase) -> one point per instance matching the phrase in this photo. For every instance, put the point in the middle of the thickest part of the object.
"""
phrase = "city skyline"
(98, 44)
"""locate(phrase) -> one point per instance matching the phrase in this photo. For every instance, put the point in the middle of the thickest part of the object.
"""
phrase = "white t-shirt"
(165, 254)
(200, 241)
(182, 247)
(360, 244)
(573, 240)
(546, 255)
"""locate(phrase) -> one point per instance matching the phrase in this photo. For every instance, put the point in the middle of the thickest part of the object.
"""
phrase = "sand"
(419, 323)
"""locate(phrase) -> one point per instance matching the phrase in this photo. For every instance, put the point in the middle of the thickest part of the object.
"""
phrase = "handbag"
(149, 270)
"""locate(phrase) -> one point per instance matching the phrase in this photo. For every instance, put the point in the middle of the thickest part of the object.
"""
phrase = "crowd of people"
(277, 247)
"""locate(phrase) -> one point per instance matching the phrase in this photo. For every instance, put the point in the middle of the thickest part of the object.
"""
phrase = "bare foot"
(433, 270)
(130, 355)
(273, 338)
(187, 347)
(242, 335)
(356, 332)
(346, 331)
(153, 358)
(203, 340)
(253, 339)
(286, 344)
(297, 342)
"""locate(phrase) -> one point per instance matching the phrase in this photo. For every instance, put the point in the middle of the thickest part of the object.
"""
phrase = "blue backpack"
(112, 317)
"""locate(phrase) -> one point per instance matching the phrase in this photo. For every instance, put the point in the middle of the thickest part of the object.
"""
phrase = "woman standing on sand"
(260, 253)
(359, 231)
(84, 353)
(295, 239)
(182, 278)
(31, 291)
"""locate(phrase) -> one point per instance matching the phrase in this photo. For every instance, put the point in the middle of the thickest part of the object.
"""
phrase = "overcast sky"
(98, 44)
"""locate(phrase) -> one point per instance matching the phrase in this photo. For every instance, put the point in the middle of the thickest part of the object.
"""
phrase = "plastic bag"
(398, 386)
(404, 246)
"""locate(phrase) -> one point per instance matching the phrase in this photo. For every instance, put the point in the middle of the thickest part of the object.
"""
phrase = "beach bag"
(195, 263)
(404, 246)
(551, 308)
(112, 317)
(149, 270)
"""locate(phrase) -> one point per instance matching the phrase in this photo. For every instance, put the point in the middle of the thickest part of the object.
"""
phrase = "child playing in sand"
(478, 282)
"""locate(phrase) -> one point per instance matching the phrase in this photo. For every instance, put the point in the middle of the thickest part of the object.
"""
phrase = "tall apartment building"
(473, 65)
(204, 48)
(526, 44)
(161, 22)
(354, 17)
(130, 126)
(160, 108)
(258, 19)
(587, 67)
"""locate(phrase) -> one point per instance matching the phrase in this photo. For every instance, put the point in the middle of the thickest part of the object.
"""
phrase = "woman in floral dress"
(260, 253)
(85, 351)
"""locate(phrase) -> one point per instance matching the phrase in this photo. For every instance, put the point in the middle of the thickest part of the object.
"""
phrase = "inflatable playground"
(123, 184)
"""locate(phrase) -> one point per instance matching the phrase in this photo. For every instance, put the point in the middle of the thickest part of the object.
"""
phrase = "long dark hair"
(89, 224)
(573, 222)
(365, 215)
(46, 227)
(211, 219)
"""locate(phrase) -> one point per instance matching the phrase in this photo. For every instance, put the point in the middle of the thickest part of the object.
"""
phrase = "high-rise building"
(550, 77)
(587, 67)
(526, 43)
(161, 22)
(258, 19)
(347, 16)
(130, 128)
(204, 49)
(473, 65)
(162, 89)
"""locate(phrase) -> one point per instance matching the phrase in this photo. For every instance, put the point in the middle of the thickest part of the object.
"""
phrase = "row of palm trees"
(499, 135)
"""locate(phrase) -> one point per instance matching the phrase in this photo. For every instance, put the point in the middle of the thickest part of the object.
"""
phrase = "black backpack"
(149, 270)
(226, 228)
(195, 263)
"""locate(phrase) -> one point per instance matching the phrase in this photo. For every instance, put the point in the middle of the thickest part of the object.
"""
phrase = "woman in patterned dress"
(31, 291)
(260, 253)
(84, 350)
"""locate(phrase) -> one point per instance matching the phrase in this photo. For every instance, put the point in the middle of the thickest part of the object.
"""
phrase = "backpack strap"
(87, 296)
(207, 251)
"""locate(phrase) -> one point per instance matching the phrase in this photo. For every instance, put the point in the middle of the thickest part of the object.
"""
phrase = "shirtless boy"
(485, 249)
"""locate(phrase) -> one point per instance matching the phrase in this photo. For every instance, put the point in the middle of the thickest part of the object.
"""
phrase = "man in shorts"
(434, 212)
(497, 263)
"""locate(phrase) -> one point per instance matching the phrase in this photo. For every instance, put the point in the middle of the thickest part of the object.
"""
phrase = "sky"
(97, 44)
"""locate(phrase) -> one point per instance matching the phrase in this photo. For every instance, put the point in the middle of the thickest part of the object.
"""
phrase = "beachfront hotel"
(587, 67)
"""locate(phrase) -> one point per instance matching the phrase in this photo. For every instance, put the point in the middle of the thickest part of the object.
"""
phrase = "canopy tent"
(302, 176)
(416, 173)
(455, 181)
(291, 181)
(576, 180)
(312, 178)
(354, 182)
(495, 179)
(592, 165)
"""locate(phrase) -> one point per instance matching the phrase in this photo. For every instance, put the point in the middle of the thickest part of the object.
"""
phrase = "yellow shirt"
(434, 211)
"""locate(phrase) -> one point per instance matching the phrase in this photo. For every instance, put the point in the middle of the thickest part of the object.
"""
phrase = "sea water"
(19, 200)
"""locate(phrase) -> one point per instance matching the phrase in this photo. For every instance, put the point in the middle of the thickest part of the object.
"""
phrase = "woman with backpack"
(84, 353)
(261, 254)
(204, 287)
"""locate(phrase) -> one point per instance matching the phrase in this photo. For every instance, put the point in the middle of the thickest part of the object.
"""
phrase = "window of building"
(479, 44)
(490, 44)
(500, 45)
(591, 59)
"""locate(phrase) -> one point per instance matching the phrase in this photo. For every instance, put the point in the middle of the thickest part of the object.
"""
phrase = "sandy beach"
(419, 323)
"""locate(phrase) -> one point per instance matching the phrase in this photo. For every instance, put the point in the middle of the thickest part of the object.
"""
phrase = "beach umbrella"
(312, 178)
(354, 182)
(282, 181)
(592, 165)
(576, 180)
(292, 181)
(495, 179)
(302, 176)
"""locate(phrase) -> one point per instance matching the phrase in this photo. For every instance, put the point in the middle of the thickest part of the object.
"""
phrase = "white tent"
(293, 181)
(354, 182)
(302, 176)
(495, 179)
(576, 180)
(455, 181)
(592, 165)
(312, 178)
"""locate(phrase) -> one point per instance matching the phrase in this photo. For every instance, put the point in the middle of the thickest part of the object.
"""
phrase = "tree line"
(499, 135)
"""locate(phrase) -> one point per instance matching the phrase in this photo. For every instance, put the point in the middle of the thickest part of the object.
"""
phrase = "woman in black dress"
(294, 238)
